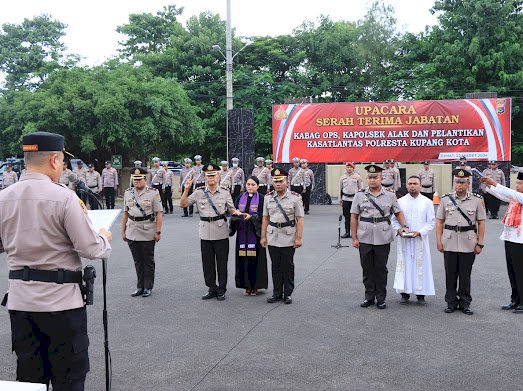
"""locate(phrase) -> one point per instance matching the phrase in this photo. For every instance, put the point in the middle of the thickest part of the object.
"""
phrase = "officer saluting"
(460, 230)
(371, 211)
(48, 316)
(141, 228)
(282, 230)
(213, 202)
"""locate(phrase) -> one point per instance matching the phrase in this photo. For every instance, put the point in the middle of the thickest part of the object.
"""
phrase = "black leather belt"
(375, 220)
(457, 228)
(59, 276)
(142, 218)
(383, 184)
(214, 218)
(282, 225)
(92, 187)
(347, 195)
(426, 186)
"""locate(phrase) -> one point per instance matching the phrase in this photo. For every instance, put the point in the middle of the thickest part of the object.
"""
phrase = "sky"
(91, 30)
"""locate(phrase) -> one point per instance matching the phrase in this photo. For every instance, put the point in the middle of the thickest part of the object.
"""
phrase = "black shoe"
(147, 292)
(137, 292)
(273, 299)
(208, 295)
(467, 311)
(345, 236)
(404, 299)
(421, 301)
(518, 309)
(366, 303)
(306, 212)
(220, 297)
(381, 306)
(287, 300)
(450, 310)
(185, 215)
(510, 306)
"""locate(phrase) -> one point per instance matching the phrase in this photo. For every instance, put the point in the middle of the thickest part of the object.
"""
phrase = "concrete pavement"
(323, 341)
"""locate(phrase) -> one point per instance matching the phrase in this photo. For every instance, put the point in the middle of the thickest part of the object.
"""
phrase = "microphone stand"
(106, 333)
(339, 245)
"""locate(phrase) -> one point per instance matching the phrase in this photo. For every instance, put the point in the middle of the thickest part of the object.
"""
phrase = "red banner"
(409, 131)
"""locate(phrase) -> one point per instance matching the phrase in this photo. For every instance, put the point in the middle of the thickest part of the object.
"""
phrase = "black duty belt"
(375, 220)
(59, 276)
(347, 195)
(387, 185)
(291, 223)
(457, 228)
(426, 186)
(214, 218)
(92, 187)
(142, 218)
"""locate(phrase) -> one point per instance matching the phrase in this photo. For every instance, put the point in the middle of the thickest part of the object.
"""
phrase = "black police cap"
(461, 173)
(211, 169)
(278, 174)
(138, 173)
(373, 169)
(43, 141)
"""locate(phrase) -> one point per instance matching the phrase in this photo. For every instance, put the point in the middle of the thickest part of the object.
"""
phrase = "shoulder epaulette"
(225, 188)
(269, 193)
(446, 195)
(477, 195)
(296, 194)
(152, 188)
(362, 190)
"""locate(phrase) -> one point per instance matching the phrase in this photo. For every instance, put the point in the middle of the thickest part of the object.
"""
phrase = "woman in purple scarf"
(251, 258)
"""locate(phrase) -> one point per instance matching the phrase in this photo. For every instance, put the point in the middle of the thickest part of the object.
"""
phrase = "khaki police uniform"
(263, 174)
(238, 181)
(459, 239)
(280, 239)
(226, 177)
(80, 175)
(297, 180)
(214, 235)
(9, 178)
(198, 177)
(375, 235)
(140, 230)
(308, 186)
(109, 184)
(93, 181)
(492, 203)
(44, 231)
(427, 178)
(185, 174)
(67, 178)
(391, 180)
(168, 191)
(349, 186)
(156, 178)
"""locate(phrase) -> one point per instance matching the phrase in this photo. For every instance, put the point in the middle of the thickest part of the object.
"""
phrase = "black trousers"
(458, 266)
(282, 266)
(92, 202)
(236, 192)
(168, 194)
(215, 254)
(262, 189)
(346, 213)
(110, 195)
(143, 256)
(306, 197)
(373, 260)
(297, 189)
(188, 211)
(514, 256)
(51, 347)
(428, 195)
(491, 203)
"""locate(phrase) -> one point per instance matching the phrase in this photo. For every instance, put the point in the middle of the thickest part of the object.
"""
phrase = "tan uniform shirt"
(169, 178)
(349, 184)
(43, 226)
(197, 175)
(238, 176)
(262, 174)
(184, 175)
(109, 177)
(369, 232)
(498, 175)
(427, 180)
(226, 178)
(67, 177)
(156, 176)
(308, 178)
(293, 207)
(9, 178)
(81, 174)
(391, 179)
(297, 178)
(212, 230)
(93, 180)
(150, 202)
(473, 206)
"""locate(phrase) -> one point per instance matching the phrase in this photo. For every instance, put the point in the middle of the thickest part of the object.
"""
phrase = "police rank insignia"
(372, 169)
(137, 172)
(277, 172)
(461, 173)
(209, 168)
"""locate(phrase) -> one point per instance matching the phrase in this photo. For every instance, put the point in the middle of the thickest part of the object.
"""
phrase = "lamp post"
(228, 57)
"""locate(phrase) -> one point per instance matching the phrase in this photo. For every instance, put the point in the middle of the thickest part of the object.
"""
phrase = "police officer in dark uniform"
(371, 227)
(47, 310)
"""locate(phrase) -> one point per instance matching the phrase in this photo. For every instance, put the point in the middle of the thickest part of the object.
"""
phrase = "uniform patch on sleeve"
(84, 208)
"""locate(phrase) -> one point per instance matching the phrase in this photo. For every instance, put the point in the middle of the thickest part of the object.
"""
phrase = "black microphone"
(78, 183)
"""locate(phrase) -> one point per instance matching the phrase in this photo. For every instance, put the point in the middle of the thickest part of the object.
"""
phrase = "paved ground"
(323, 341)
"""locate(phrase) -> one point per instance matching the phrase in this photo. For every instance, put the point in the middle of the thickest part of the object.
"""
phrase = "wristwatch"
(158, 232)
(480, 245)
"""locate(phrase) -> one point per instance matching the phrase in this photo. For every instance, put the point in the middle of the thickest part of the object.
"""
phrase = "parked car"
(173, 166)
